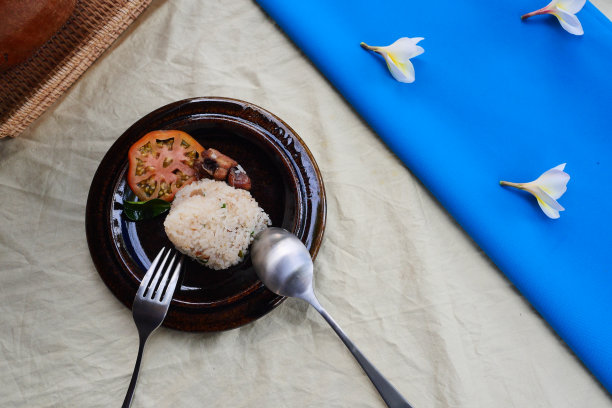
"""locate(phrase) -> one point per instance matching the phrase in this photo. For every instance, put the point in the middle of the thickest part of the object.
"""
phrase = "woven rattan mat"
(28, 89)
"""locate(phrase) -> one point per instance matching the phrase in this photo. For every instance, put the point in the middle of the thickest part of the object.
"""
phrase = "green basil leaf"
(144, 210)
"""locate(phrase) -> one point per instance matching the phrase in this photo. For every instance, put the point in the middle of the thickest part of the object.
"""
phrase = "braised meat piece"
(238, 178)
(214, 164)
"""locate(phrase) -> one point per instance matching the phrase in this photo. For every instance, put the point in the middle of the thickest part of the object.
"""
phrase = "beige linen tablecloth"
(405, 282)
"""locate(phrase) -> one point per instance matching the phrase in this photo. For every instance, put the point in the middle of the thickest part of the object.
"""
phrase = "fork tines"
(152, 287)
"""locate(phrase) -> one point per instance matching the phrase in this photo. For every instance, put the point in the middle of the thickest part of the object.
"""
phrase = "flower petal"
(571, 6)
(402, 71)
(550, 212)
(568, 21)
(405, 48)
(548, 204)
(553, 181)
(560, 167)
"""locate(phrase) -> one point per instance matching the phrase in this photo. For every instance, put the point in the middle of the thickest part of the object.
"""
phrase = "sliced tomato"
(161, 162)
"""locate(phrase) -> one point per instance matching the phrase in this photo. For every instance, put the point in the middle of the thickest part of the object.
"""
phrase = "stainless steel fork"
(151, 305)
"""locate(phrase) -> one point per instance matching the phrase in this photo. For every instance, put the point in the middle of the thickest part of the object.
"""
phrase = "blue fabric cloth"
(495, 98)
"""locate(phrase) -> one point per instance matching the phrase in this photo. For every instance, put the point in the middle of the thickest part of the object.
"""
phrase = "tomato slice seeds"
(161, 162)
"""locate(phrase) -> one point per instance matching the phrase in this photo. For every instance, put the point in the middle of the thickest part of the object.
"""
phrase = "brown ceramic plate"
(286, 183)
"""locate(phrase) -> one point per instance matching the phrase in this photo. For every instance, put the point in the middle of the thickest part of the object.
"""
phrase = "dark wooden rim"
(122, 274)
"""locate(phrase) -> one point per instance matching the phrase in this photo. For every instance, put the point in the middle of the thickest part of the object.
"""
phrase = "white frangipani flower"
(564, 10)
(397, 56)
(547, 189)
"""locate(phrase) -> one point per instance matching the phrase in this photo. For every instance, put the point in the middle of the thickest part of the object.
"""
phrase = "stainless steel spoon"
(284, 265)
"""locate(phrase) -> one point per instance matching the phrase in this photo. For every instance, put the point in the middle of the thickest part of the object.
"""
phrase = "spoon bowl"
(284, 265)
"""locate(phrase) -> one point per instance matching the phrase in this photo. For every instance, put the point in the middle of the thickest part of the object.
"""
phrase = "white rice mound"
(214, 223)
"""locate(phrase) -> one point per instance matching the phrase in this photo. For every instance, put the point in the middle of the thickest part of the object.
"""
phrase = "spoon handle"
(389, 394)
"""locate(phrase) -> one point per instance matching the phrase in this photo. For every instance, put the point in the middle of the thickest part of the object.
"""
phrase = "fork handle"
(130, 392)
(387, 391)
